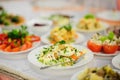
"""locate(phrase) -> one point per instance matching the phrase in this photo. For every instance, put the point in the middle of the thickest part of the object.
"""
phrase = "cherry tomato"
(119, 48)
(29, 44)
(16, 49)
(3, 46)
(35, 38)
(3, 36)
(8, 49)
(23, 47)
(110, 49)
(93, 46)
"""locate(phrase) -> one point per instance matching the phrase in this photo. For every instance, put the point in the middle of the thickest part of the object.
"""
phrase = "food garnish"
(65, 33)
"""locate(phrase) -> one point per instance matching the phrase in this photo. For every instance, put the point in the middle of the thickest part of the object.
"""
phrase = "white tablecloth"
(22, 65)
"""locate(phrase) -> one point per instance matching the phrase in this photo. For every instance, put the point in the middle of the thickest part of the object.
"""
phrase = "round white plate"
(104, 27)
(75, 76)
(103, 54)
(32, 58)
(109, 15)
(116, 61)
(80, 38)
(18, 55)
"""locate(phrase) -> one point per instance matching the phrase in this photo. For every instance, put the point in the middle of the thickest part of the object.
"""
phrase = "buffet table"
(22, 65)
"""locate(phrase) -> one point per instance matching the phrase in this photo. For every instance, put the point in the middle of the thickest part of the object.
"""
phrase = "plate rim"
(114, 58)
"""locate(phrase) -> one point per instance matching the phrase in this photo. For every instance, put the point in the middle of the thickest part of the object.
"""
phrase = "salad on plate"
(103, 73)
(17, 40)
(108, 44)
(90, 24)
(60, 53)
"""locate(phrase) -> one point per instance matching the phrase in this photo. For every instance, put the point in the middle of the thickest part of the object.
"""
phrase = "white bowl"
(59, 71)
(39, 30)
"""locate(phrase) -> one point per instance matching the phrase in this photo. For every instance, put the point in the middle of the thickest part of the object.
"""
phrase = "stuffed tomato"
(93, 46)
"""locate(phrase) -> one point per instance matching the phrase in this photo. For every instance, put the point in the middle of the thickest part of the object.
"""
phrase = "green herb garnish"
(111, 35)
(67, 27)
(89, 16)
(16, 34)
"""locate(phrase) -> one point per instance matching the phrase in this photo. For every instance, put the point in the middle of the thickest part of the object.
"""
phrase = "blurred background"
(32, 7)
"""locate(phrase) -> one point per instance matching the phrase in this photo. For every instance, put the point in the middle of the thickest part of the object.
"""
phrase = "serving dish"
(89, 24)
(104, 45)
(10, 21)
(35, 64)
(17, 42)
(96, 75)
(39, 26)
(116, 61)
(66, 33)
(80, 39)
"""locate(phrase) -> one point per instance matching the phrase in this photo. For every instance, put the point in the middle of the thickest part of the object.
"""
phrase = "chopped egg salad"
(89, 23)
(63, 54)
(65, 33)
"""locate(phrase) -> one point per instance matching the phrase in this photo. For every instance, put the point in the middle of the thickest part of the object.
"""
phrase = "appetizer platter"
(66, 33)
(17, 41)
(10, 21)
(89, 23)
(103, 73)
(61, 57)
(104, 45)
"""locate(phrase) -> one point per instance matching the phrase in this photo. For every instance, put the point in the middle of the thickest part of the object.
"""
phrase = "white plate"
(18, 55)
(109, 15)
(104, 27)
(59, 71)
(78, 40)
(116, 61)
(75, 76)
(103, 54)
(33, 58)
(106, 55)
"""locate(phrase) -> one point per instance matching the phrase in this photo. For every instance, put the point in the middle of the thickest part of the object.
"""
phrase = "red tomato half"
(93, 46)
(119, 48)
(110, 49)
(32, 38)
(35, 38)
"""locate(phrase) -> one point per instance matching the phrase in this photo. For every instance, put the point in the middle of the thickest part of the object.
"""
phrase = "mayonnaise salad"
(59, 54)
